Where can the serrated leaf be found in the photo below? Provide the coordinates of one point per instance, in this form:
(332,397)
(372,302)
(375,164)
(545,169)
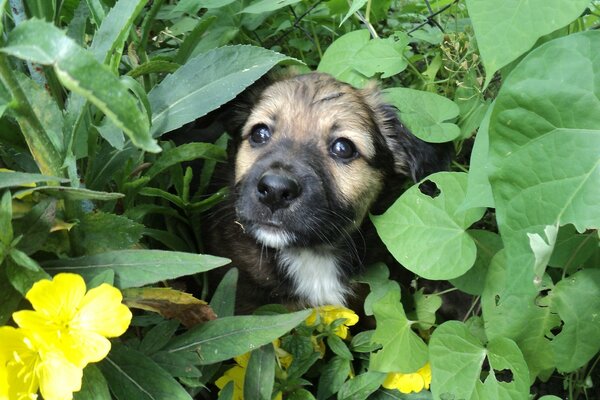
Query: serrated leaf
(428,235)
(77,70)
(426,114)
(260,373)
(135,268)
(457,359)
(508,29)
(403,350)
(228,337)
(170,303)
(133,375)
(551,131)
(577,301)
(205,82)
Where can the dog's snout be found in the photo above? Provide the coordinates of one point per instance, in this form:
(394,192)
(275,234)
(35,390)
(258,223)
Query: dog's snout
(277,190)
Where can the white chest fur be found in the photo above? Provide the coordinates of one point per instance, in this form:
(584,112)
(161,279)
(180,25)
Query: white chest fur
(315,275)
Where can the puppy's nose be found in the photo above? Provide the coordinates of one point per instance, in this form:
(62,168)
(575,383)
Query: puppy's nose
(277,190)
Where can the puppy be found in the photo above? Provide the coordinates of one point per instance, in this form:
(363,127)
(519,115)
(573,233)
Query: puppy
(310,156)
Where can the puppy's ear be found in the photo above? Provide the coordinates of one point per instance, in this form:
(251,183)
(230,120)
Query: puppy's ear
(413,157)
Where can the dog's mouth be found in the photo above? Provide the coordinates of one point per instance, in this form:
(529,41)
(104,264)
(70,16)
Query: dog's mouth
(270,234)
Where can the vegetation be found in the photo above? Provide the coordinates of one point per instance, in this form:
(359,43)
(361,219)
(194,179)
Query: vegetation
(91,184)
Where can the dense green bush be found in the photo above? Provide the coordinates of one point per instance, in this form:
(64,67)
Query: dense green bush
(90,185)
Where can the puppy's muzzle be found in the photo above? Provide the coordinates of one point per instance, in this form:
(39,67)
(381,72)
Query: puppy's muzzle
(277,189)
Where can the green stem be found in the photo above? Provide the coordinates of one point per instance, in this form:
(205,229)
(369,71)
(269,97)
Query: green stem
(48,159)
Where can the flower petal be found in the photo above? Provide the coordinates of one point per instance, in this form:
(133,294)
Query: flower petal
(84,347)
(58,378)
(57,299)
(101,311)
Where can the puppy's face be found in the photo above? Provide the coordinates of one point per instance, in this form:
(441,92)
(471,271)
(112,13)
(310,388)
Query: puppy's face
(312,158)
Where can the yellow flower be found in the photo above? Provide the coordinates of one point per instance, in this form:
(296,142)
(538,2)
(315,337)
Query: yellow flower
(283,357)
(78,322)
(27,364)
(407,383)
(329,314)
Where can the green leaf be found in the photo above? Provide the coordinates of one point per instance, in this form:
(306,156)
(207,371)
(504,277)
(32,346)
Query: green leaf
(426,305)
(260,373)
(508,29)
(23,271)
(403,350)
(228,337)
(9,297)
(551,131)
(186,152)
(223,299)
(158,337)
(72,193)
(354,7)
(333,376)
(77,70)
(577,301)
(427,235)
(93,385)
(153,67)
(264,6)
(133,375)
(205,82)
(100,232)
(6,229)
(300,394)
(354,57)
(337,345)
(361,386)
(110,37)
(457,359)
(426,114)
(135,268)
(572,250)
(488,244)
(35,226)
(178,365)
(14,179)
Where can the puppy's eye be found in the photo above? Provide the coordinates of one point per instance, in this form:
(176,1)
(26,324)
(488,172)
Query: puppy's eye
(260,134)
(343,148)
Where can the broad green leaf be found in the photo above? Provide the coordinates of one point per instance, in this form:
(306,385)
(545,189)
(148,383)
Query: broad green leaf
(178,365)
(111,133)
(354,57)
(479,190)
(186,152)
(260,373)
(426,305)
(132,375)
(488,244)
(77,70)
(264,6)
(361,386)
(426,114)
(403,350)
(457,359)
(223,299)
(93,385)
(428,235)
(546,121)
(228,337)
(135,268)
(377,277)
(333,376)
(506,30)
(205,82)
(110,37)
(340,55)
(577,301)
(100,232)
(572,250)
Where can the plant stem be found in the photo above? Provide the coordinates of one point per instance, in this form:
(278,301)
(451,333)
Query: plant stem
(47,157)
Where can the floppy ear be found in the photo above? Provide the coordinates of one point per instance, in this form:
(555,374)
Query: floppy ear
(413,157)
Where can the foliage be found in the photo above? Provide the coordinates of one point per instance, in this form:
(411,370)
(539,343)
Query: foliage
(94,95)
